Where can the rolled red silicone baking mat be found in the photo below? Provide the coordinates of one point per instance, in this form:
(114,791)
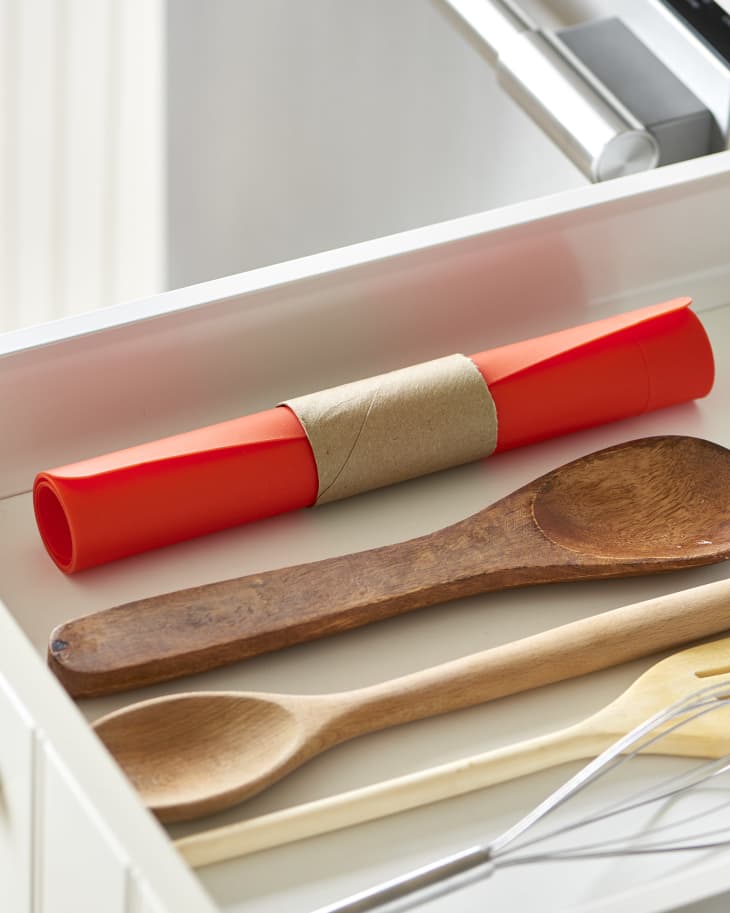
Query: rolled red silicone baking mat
(259,465)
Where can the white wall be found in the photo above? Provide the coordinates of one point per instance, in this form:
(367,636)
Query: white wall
(81,155)
(147,144)
(300,126)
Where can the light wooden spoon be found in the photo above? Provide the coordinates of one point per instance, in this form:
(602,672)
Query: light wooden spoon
(656,504)
(672,679)
(196,753)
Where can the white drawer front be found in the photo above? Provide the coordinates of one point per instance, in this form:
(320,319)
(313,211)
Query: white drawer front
(141,898)
(82,870)
(16,803)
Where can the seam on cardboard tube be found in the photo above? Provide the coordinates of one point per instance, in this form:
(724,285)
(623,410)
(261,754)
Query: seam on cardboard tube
(322,494)
(397,426)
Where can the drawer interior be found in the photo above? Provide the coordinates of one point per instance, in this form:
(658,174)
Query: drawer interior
(323,868)
(203,354)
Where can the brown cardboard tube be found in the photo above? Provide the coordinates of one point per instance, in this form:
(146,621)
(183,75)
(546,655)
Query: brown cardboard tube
(398,425)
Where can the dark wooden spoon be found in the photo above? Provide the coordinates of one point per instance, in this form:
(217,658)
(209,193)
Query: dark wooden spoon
(651,505)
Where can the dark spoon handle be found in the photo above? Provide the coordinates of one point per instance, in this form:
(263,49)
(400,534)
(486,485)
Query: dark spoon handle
(196,629)
(651,505)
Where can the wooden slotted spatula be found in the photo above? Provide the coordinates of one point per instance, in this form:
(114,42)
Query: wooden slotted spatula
(666,682)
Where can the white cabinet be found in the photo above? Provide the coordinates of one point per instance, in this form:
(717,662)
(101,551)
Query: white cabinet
(141,897)
(17,766)
(73,838)
(81,863)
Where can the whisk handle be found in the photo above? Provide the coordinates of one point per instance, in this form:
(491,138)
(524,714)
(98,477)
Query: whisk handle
(424,883)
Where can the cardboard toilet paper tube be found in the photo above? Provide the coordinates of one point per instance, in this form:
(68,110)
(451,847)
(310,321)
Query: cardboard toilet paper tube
(411,421)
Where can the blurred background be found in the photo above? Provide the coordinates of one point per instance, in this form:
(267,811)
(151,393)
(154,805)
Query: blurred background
(151,144)
(147,144)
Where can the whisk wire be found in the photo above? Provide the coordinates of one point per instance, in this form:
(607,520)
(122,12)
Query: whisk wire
(447,874)
(665,790)
(641,799)
(703,700)
(601,853)
(596,849)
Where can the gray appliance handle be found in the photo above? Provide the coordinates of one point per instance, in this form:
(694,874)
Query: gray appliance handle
(587,122)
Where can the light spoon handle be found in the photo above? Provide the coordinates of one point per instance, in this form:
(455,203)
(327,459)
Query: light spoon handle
(598,642)
(574,649)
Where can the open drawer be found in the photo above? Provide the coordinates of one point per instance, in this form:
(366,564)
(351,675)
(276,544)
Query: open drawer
(73,835)
(209,352)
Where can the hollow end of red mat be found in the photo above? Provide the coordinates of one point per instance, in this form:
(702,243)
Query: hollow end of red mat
(53,524)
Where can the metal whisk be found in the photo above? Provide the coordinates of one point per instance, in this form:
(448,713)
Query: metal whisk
(477,862)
